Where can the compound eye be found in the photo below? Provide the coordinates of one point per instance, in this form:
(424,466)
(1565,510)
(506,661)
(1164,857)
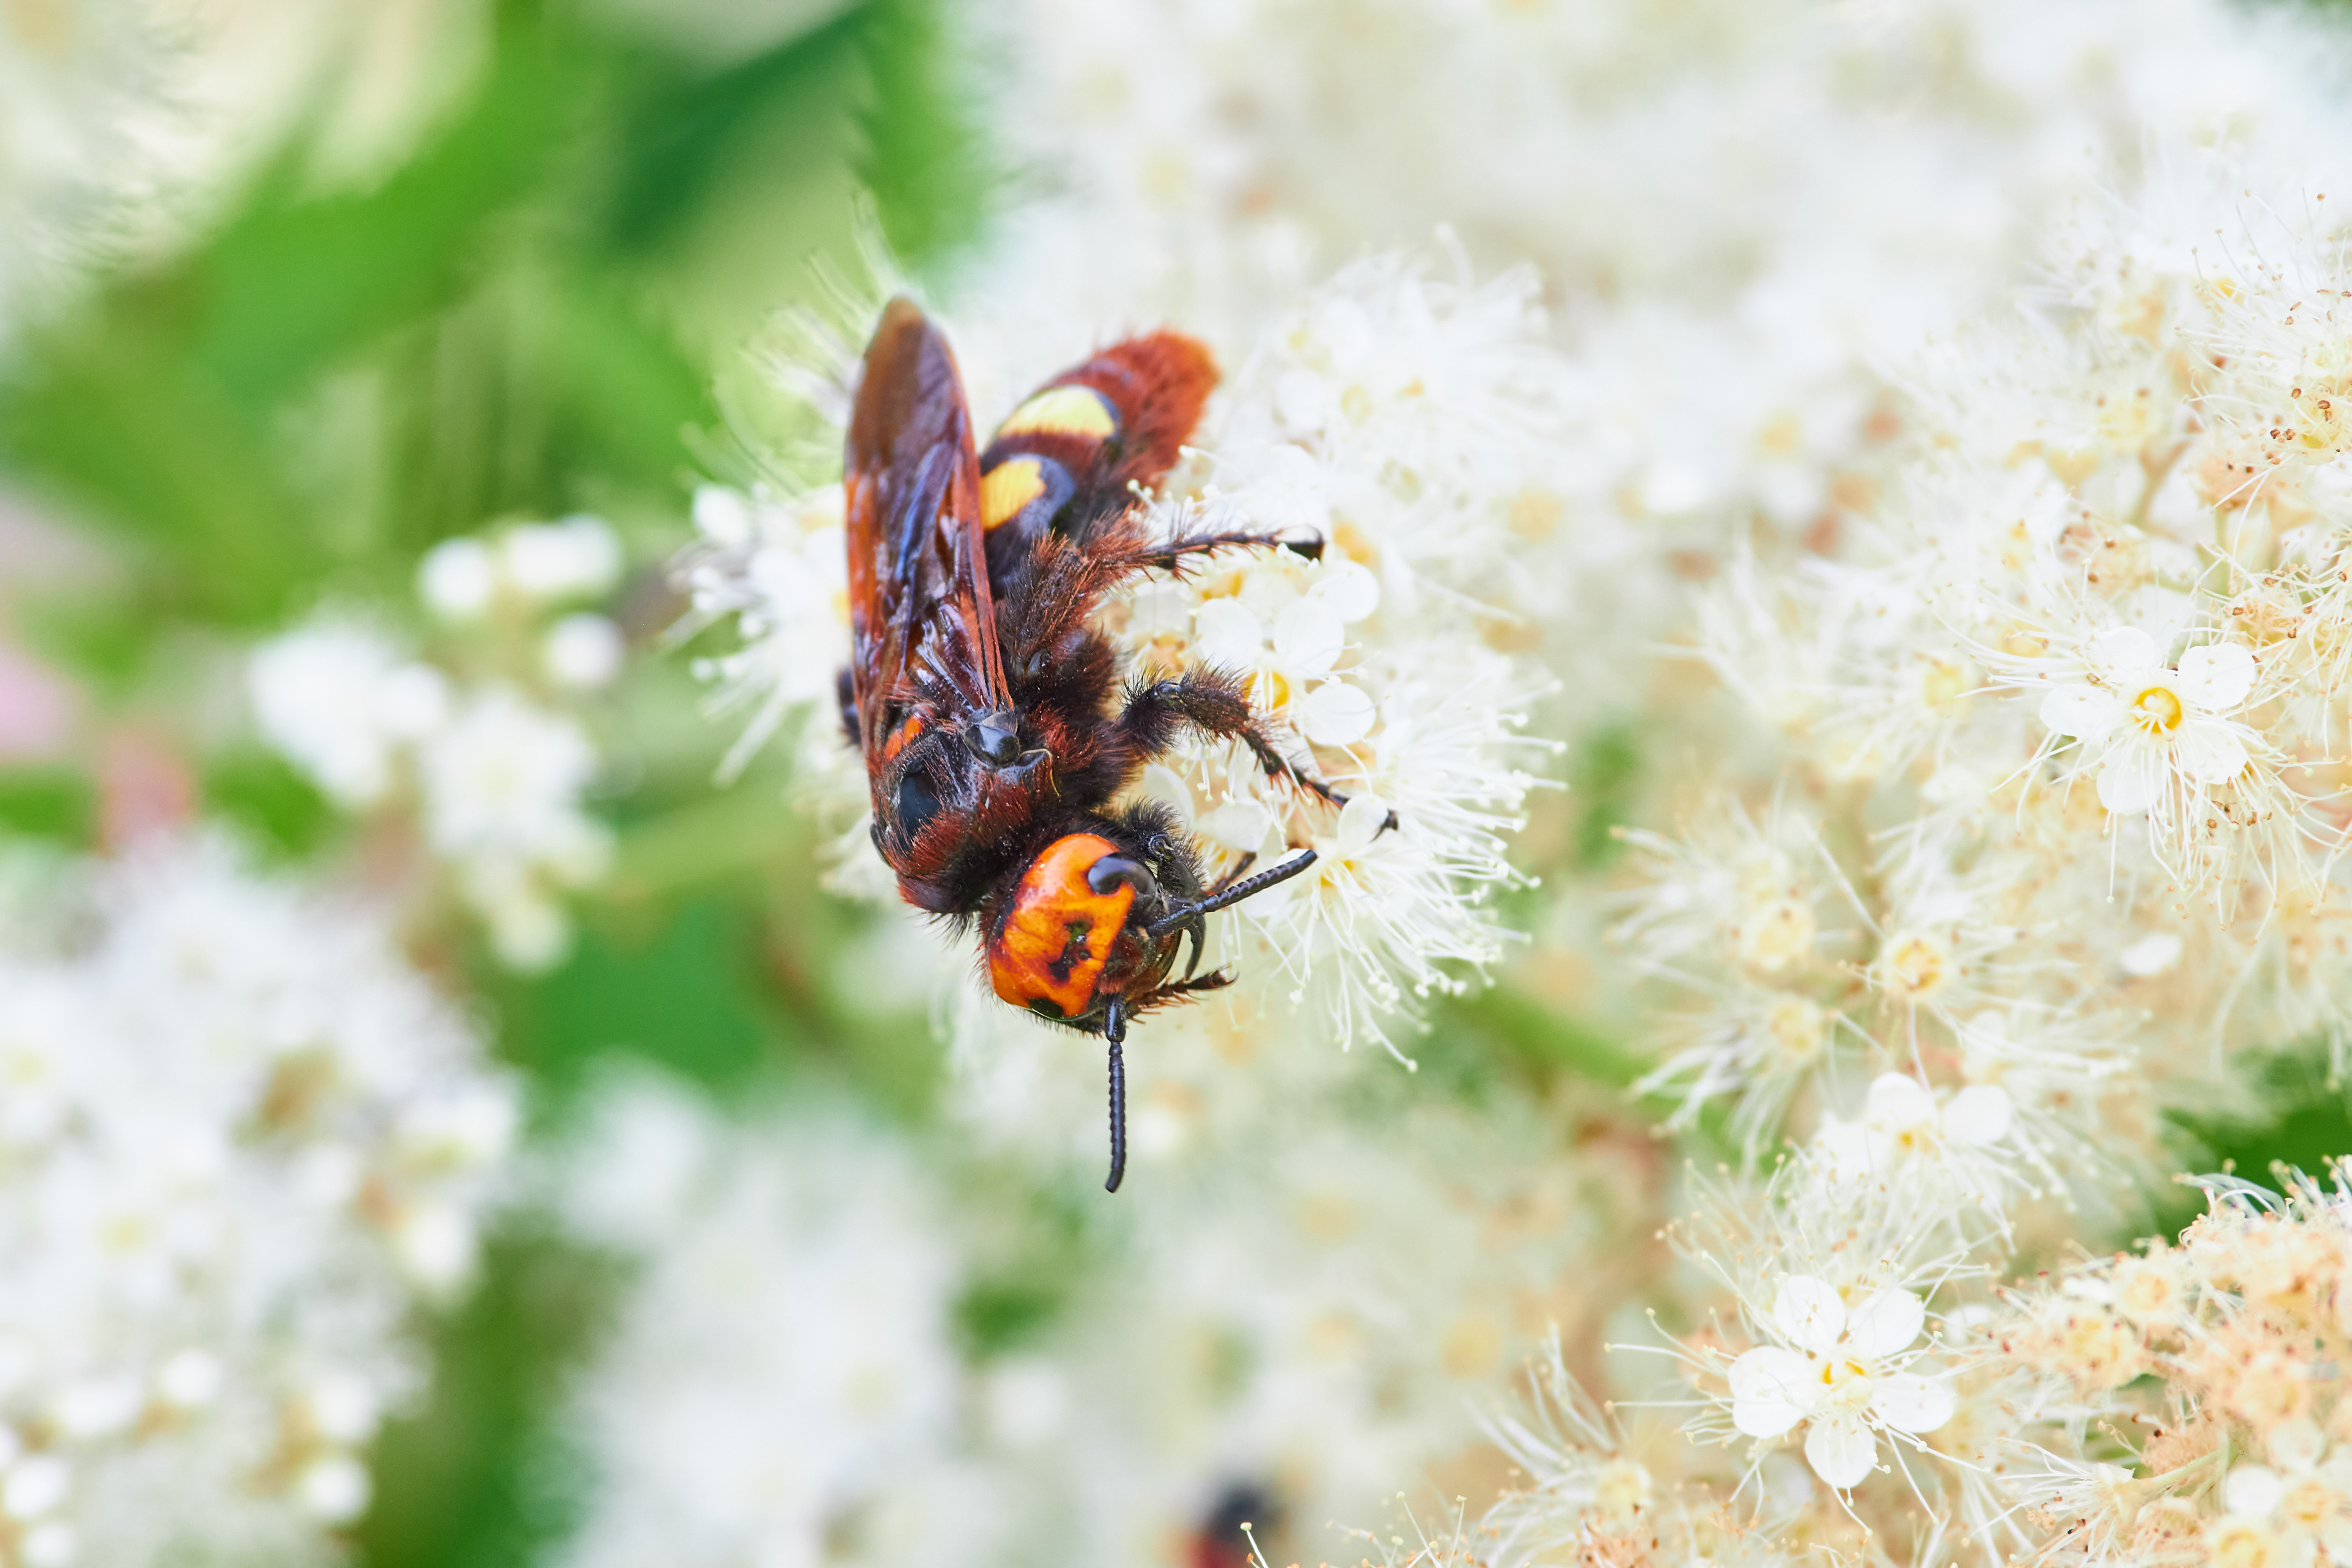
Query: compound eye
(916,804)
(1118,871)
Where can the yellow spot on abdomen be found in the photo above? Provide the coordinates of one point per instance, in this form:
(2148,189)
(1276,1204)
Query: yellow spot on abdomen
(1064,411)
(1005,488)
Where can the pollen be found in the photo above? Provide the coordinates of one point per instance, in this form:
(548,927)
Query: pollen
(1916,965)
(2157,710)
(1063,411)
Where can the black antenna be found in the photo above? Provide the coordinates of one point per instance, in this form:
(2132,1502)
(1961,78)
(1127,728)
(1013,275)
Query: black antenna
(1231,896)
(1115,1031)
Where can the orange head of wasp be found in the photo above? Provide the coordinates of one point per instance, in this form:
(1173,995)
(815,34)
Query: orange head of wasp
(1088,929)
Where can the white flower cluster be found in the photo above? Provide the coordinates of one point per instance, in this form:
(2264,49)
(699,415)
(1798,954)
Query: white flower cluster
(1742,210)
(1994,689)
(2012,813)
(781,1384)
(477,744)
(240,1141)
(785,1383)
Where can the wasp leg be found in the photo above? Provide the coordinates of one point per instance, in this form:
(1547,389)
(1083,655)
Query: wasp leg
(1215,704)
(1170,554)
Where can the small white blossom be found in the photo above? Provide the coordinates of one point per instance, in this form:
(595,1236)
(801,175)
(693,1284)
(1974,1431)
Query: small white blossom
(2151,730)
(1840,1374)
(341,702)
(502,786)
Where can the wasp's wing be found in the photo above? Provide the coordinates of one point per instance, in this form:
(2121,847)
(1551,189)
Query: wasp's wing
(922,617)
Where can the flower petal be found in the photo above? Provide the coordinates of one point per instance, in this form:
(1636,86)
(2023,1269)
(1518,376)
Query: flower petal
(1308,636)
(2253,1491)
(1769,1387)
(2132,779)
(2086,712)
(1335,713)
(1807,1312)
(2121,648)
(1978,1114)
(1228,636)
(1898,1103)
(1842,1149)
(2296,1446)
(1238,825)
(1360,822)
(1887,1321)
(1841,1452)
(2218,676)
(1348,587)
(2209,751)
(1166,786)
(1909,1403)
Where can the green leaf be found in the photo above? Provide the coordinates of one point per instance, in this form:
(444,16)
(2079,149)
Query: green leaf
(925,161)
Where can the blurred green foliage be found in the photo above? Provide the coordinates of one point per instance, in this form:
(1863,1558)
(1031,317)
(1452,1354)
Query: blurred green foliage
(541,308)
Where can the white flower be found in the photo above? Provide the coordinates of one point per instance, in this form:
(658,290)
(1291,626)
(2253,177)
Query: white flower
(784,1356)
(1840,1374)
(2144,725)
(1287,643)
(194,1322)
(1901,1119)
(575,558)
(503,784)
(782,571)
(2305,1494)
(583,652)
(339,701)
(458,578)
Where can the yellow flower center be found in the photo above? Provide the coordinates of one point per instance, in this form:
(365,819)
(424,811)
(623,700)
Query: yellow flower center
(2157,710)
(1799,1030)
(1914,964)
(1845,1382)
(2240,1543)
(2310,1504)
(1777,935)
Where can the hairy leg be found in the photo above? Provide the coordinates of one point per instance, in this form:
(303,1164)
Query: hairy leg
(1170,555)
(1214,703)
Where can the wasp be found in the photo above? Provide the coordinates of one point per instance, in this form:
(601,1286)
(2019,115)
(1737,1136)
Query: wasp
(996,730)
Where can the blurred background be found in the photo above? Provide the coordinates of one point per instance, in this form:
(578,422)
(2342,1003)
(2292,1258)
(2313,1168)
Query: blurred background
(387,274)
(293,293)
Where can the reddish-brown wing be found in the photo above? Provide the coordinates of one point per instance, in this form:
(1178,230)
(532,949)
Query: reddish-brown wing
(922,617)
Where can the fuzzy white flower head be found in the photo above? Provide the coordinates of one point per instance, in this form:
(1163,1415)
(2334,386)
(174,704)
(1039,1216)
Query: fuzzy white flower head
(502,786)
(781,572)
(212,1212)
(2303,1495)
(1901,1119)
(340,701)
(783,1355)
(2153,730)
(1840,1374)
